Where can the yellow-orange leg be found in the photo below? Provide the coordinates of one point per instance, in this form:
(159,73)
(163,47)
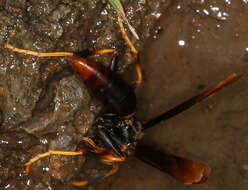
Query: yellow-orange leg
(105,51)
(134,51)
(106,158)
(57,54)
(100,52)
(96,149)
(38,54)
(110,158)
(52,152)
(98,178)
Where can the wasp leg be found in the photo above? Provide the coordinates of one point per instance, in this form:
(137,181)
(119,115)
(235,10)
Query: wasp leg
(114,60)
(106,158)
(98,178)
(113,64)
(57,54)
(53,152)
(110,158)
(109,142)
(134,51)
(97,149)
(104,51)
(38,54)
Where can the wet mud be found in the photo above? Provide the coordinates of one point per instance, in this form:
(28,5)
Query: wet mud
(185,47)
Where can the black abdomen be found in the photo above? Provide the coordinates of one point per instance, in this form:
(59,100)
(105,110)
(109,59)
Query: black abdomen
(115,93)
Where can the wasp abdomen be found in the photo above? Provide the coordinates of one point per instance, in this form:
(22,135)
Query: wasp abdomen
(115,93)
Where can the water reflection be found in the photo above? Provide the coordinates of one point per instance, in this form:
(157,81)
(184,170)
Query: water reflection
(217,10)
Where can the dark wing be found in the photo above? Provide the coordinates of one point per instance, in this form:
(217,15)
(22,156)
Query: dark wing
(192,101)
(183,170)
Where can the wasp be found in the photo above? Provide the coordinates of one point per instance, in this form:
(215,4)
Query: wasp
(117,132)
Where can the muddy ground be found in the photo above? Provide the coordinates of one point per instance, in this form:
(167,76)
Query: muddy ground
(185,47)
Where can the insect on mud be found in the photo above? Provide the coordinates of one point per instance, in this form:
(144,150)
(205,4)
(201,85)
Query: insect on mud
(117,132)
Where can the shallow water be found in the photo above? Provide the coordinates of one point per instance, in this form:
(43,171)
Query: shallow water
(195,51)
